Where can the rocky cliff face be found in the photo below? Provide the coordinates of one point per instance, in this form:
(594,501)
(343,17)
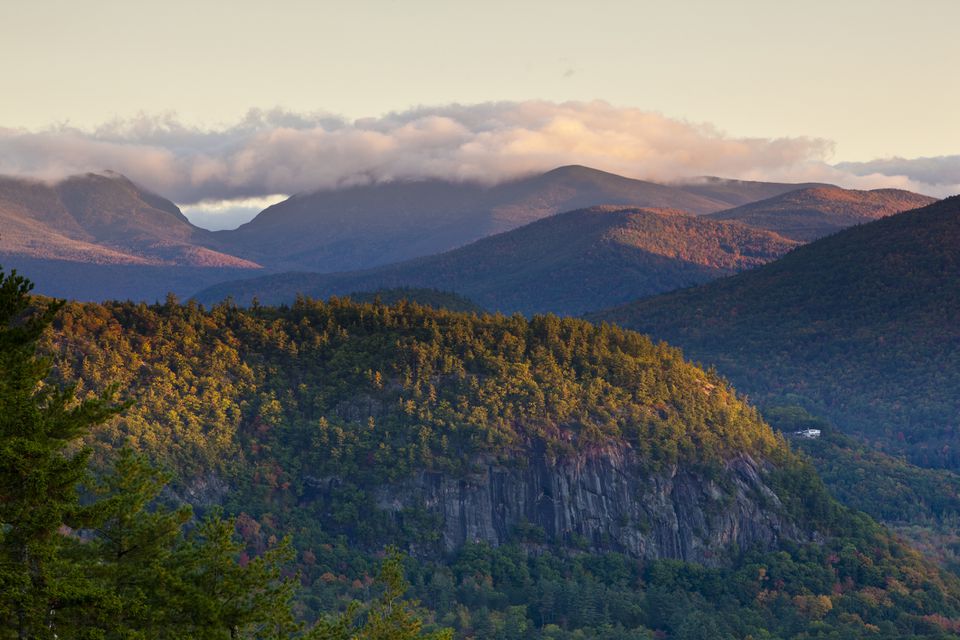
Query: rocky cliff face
(604,501)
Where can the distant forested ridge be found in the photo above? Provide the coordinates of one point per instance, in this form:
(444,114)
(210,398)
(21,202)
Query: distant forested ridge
(568,263)
(859,327)
(435,298)
(813,212)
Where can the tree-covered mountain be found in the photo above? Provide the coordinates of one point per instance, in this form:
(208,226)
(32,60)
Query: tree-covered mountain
(814,212)
(552,478)
(568,263)
(101,219)
(364,226)
(99,235)
(859,327)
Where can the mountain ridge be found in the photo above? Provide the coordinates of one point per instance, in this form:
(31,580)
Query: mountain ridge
(567,263)
(365,226)
(103,215)
(810,213)
(99,235)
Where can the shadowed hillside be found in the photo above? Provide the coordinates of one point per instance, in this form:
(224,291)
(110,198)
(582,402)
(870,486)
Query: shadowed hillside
(859,326)
(426,297)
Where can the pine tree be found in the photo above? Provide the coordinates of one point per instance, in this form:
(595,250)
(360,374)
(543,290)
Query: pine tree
(224,595)
(390,617)
(132,553)
(40,468)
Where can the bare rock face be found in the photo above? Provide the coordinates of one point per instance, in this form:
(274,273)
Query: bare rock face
(604,501)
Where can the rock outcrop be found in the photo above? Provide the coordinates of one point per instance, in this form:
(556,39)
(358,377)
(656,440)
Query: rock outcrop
(604,501)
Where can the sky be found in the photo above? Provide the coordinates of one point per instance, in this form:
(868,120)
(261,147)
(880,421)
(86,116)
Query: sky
(226,106)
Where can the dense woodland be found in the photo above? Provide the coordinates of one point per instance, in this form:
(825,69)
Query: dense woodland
(922,505)
(408,385)
(859,327)
(888,488)
(236,404)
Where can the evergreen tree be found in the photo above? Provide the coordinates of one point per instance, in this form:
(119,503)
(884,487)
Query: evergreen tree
(132,553)
(40,467)
(223,594)
(390,617)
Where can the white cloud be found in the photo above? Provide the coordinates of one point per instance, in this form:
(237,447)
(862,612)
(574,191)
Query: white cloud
(940,175)
(271,152)
(281,152)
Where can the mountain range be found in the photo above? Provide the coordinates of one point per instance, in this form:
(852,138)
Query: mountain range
(568,263)
(365,226)
(100,236)
(549,478)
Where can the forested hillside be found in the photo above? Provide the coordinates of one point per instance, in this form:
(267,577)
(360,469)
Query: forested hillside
(921,504)
(858,327)
(298,420)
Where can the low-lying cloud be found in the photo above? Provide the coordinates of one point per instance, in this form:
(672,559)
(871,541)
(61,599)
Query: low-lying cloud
(939,172)
(280,152)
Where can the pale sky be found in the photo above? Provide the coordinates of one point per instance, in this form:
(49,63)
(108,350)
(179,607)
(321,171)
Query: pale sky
(873,78)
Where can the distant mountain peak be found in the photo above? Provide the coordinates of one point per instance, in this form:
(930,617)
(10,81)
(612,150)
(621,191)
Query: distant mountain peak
(581,171)
(103,219)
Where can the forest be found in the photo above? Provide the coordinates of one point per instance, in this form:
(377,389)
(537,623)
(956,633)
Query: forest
(173,447)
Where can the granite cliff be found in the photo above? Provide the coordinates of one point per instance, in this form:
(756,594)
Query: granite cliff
(603,501)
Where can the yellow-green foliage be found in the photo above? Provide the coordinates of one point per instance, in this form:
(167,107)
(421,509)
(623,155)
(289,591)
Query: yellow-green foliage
(401,387)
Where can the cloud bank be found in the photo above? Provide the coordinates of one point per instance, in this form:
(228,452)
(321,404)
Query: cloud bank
(941,172)
(280,152)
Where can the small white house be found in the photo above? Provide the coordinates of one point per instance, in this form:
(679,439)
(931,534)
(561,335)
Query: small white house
(807,433)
